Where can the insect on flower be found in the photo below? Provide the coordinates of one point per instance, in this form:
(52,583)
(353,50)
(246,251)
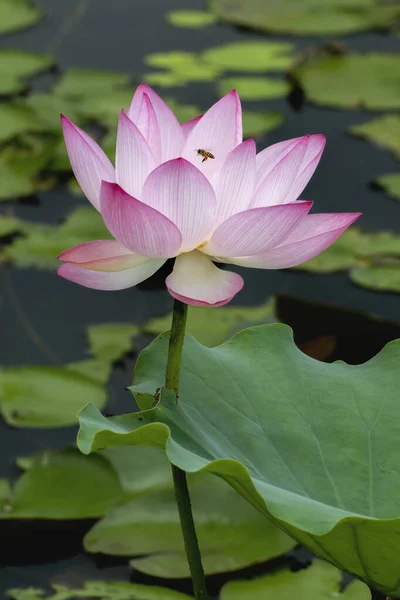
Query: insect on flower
(205,154)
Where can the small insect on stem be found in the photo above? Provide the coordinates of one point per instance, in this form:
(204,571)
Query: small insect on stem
(205,154)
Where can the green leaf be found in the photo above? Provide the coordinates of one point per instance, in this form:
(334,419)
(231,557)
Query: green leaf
(98,370)
(111,341)
(320,581)
(312,445)
(250,56)
(232,534)
(16,119)
(181,68)
(257,124)
(8,225)
(193,19)
(102,590)
(77,84)
(307,17)
(16,66)
(213,327)
(36,396)
(254,88)
(384,277)
(383,131)
(391,183)
(17,14)
(65,485)
(361,80)
(382,243)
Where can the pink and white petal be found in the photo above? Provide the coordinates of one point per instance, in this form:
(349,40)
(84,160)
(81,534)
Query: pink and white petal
(275,187)
(253,231)
(134,159)
(148,126)
(102,255)
(136,226)
(310,162)
(188,126)
(219,131)
(181,192)
(235,183)
(268,158)
(110,281)
(170,129)
(312,235)
(88,161)
(195,280)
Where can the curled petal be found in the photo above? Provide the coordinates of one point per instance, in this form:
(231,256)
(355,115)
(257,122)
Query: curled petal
(148,126)
(110,281)
(88,161)
(181,192)
(253,231)
(312,235)
(136,226)
(195,280)
(102,255)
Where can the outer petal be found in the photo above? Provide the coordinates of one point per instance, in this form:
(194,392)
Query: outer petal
(102,255)
(268,159)
(134,159)
(253,231)
(110,281)
(275,187)
(235,183)
(88,161)
(188,126)
(310,162)
(312,235)
(197,281)
(170,130)
(219,131)
(148,126)
(136,226)
(181,192)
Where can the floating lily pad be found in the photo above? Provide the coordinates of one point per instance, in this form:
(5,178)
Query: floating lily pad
(383,243)
(110,341)
(360,80)
(76,84)
(232,534)
(307,17)
(96,369)
(384,277)
(181,68)
(312,445)
(17,66)
(257,124)
(8,225)
(14,120)
(384,131)
(390,183)
(192,19)
(320,581)
(250,56)
(18,14)
(36,396)
(254,88)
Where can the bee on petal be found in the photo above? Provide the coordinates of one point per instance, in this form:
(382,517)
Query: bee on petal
(205,154)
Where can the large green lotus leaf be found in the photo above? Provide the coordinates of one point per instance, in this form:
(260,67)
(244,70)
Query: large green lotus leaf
(307,17)
(17,14)
(192,19)
(16,119)
(320,581)
(257,124)
(251,56)
(214,327)
(384,131)
(77,84)
(382,243)
(391,183)
(254,88)
(232,534)
(110,341)
(181,68)
(352,81)
(37,396)
(60,485)
(384,277)
(101,590)
(16,66)
(312,445)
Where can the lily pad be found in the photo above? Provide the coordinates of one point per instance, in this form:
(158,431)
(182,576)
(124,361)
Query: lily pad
(76,84)
(257,124)
(307,17)
(181,68)
(250,56)
(361,80)
(14,120)
(383,131)
(382,243)
(320,581)
(390,183)
(232,534)
(192,19)
(18,14)
(16,66)
(96,369)
(36,396)
(312,445)
(8,225)
(110,341)
(384,277)
(254,88)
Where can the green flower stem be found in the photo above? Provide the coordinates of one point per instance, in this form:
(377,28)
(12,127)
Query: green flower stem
(176,340)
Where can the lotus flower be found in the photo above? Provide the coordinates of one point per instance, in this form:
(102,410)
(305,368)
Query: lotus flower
(197,193)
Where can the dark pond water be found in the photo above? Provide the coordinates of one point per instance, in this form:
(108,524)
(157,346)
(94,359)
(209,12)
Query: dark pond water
(42,317)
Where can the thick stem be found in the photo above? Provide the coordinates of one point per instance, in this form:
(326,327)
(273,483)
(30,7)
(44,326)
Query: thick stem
(176,340)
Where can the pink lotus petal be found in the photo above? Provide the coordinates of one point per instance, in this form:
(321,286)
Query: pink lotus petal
(275,187)
(218,131)
(268,158)
(310,162)
(110,281)
(148,126)
(253,231)
(170,130)
(235,182)
(188,126)
(181,192)
(195,280)
(88,161)
(102,255)
(136,226)
(134,159)
(312,235)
